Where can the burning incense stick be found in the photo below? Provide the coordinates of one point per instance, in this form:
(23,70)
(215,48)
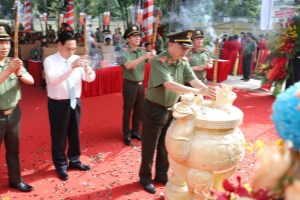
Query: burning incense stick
(16,30)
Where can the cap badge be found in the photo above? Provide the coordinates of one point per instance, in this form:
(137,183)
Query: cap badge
(134,28)
(198,32)
(2,29)
(189,35)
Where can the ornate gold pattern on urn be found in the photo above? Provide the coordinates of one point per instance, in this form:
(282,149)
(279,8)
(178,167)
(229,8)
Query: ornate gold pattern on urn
(204,144)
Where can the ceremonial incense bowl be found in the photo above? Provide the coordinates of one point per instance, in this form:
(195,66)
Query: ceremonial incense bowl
(204,145)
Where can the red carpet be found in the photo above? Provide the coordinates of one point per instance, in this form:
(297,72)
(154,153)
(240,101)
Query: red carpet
(114,173)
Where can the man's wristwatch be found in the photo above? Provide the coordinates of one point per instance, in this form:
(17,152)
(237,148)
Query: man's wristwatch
(20,76)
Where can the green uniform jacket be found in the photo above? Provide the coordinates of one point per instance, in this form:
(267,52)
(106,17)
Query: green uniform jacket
(197,59)
(10,91)
(249,47)
(136,73)
(164,69)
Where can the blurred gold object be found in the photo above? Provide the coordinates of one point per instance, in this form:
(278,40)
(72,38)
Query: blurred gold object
(293,191)
(273,163)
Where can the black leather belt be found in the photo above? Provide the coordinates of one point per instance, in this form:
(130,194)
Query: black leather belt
(62,100)
(158,105)
(135,82)
(7,112)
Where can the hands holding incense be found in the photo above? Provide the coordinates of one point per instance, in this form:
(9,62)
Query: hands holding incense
(82,62)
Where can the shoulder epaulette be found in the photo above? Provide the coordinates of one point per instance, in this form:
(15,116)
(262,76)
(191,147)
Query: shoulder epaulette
(206,50)
(185,58)
(163,59)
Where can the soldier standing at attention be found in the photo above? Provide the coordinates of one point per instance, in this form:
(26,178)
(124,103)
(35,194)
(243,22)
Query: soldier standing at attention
(11,73)
(169,71)
(199,57)
(133,62)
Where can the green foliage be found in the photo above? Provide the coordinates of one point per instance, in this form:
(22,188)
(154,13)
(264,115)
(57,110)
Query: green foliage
(98,7)
(235,8)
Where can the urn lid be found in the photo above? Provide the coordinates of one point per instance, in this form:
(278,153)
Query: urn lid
(225,117)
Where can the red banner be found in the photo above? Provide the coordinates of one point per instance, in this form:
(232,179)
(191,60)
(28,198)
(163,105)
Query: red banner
(106,18)
(140,17)
(81,19)
(61,19)
(45,17)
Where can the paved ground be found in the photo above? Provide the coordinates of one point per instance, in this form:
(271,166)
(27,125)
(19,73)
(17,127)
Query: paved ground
(253,84)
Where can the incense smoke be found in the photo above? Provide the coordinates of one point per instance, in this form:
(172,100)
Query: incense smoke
(195,15)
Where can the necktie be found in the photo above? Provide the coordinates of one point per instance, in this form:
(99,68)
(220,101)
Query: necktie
(71,91)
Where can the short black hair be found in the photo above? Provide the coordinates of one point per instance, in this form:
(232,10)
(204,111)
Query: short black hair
(147,44)
(65,36)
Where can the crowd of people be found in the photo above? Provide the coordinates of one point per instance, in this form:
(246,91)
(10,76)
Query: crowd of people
(246,53)
(178,69)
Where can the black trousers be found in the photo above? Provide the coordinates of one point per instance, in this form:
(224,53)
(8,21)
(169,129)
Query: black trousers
(133,97)
(64,125)
(10,132)
(247,60)
(294,75)
(156,121)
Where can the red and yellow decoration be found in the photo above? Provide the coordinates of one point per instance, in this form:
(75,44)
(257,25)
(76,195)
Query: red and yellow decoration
(284,44)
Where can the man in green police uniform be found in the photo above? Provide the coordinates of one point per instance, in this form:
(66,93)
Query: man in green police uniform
(11,73)
(159,44)
(249,56)
(199,57)
(169,71)
(133,63)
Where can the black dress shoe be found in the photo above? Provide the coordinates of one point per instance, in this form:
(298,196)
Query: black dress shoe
(242,79)
(63,175)
(23,187)
(127,141)
(149,188)
(136,136)
(79,166)
(246,80)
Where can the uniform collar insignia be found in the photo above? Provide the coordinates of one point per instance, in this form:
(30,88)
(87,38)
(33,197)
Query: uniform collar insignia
(133,50)
(163,59)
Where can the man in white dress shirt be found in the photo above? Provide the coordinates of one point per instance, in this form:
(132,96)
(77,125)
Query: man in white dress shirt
(64,74)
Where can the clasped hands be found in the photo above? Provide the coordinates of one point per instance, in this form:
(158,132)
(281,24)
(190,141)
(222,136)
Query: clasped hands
(150,55)
(15,66)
